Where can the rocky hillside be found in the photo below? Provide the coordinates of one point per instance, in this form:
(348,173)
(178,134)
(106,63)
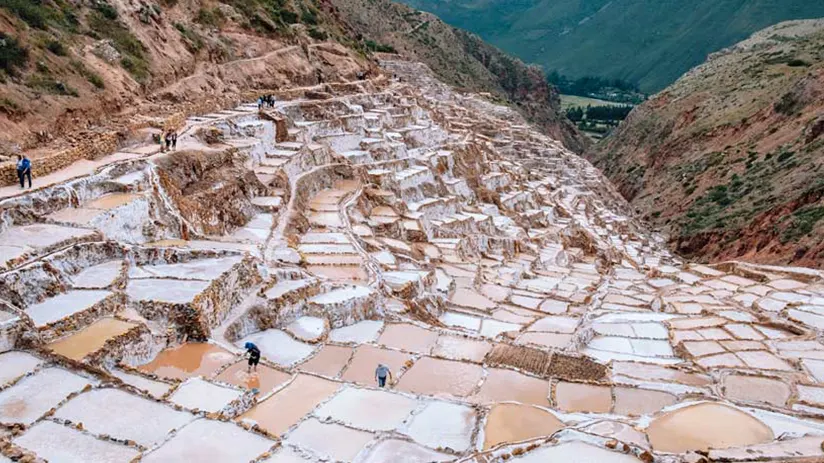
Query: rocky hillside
(463,60)
(70,69)
(69,66)
(730,159)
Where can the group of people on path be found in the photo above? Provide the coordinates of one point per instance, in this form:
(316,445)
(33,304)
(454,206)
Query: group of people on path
(168,141)
(268,100)
(382,372)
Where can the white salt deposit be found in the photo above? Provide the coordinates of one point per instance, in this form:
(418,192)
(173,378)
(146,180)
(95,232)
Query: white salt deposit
(64,305)
(99,276)
(161,290)
(388,410)
(331,441)
(15,364)
(34,395)
(197,394)
(360,333)
(578,452)
(460,320)
(400,451)
(341,295)
(492,328)
(155,388)
(443,424)
(124,416)
(202,269)
(279,347)
(308,328)
(61,444)
(213,441)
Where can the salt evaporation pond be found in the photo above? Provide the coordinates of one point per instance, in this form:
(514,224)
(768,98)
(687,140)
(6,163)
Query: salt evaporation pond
(31,397)
(331,440)
(58,443)
(279,347)
(189,360)
(368,409)
(443,424)
(212,441)
(123,416)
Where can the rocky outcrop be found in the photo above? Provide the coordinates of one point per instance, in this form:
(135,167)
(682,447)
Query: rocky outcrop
(728,159)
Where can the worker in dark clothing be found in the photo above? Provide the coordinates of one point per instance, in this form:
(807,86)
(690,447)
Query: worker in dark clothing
(254,355)
(23,170)
(381,373)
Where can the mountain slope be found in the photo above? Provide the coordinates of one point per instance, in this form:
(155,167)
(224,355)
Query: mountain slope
(730,158)
(69,66)
(464,60)
(650,42)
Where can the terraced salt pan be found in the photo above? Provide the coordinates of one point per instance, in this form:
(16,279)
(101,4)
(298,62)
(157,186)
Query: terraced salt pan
(155,388)
(408,337)
(189,360)
(457,348)
(19,240)
(443,425)
(514,422)
(64,305)
(197,394)
(704,426)
(212,441)
(278,347)
(359,333)
(438,377)
(287,406)
(330,361)
(90,339)
(350,404)
(286,454)
(361,368)
(331,441)
(459,320)
(15,364)
(162,290)
(123,416)
(58,443)
(510,386)
(578,452)
(201,269)
(309,329)
(99,276)
(339,296)
(400,451)
(33,396)
(264,379)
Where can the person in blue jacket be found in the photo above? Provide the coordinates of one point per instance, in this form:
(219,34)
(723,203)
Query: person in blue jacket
(254,355)
(23,170)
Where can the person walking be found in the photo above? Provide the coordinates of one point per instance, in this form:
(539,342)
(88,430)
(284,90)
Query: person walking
(381,373)
(174,141)
(168,140)
(254,356)
(23,170)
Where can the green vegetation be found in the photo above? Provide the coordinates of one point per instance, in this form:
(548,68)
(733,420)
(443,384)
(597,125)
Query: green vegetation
(210,17)
(317,34)
(603,37)
(56,47)
(194,42)
(133,53)
(91,76)
(614,90)
(13,56)
(50,85)
(373,46)
(802,222)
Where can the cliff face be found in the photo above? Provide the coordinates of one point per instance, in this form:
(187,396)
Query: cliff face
(463,60)
(729,158)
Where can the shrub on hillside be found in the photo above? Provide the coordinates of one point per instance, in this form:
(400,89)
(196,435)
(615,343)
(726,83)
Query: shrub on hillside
(13,56)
